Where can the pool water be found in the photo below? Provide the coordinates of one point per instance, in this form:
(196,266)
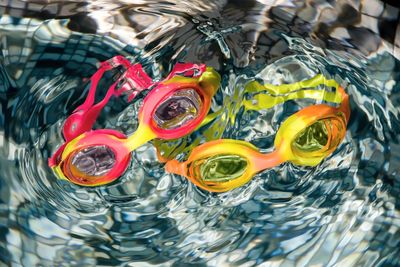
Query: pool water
(343,212)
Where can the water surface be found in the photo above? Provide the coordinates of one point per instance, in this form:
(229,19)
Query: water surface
(344,212)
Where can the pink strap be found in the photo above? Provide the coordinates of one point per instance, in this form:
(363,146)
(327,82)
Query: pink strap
(84,116)
(136,79)
(187,69)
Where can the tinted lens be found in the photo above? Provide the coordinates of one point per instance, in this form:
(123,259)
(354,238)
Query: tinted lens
(178,109)
(220,168)
(94,161)
(313,138)
(320,138)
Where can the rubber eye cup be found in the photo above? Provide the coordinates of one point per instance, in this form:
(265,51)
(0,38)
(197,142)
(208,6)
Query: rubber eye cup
(319,139)
(96,159)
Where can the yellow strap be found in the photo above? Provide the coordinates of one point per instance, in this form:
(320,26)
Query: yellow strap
(264,101)
(278,94)
(319,79)
(210,117)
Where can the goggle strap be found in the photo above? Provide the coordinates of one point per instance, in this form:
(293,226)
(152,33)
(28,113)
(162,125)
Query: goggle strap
(93,112)
(187,69)
(137,80)
(115,62)
(266,101)
(71,128)
(210,117)
(104,66)
(94,80)
(315,81)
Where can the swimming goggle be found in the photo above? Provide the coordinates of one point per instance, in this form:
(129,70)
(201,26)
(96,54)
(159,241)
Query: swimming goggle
(173,108)
(305,138)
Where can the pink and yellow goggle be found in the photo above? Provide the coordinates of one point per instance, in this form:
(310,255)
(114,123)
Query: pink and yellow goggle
(173,108)
(305,138)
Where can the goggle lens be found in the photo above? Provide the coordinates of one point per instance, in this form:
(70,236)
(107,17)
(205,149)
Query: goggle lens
(320,138)
(220,168)
(94,161)
(312,138)
(179,109)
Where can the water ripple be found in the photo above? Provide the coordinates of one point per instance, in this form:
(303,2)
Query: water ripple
(343,212)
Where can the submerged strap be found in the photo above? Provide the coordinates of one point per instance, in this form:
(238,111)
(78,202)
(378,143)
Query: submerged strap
(278,94)
(315,81)
(264,101)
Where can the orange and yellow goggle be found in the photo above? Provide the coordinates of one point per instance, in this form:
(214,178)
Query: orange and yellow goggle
(305,138)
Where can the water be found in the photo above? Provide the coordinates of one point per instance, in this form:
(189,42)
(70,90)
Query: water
(344,212)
